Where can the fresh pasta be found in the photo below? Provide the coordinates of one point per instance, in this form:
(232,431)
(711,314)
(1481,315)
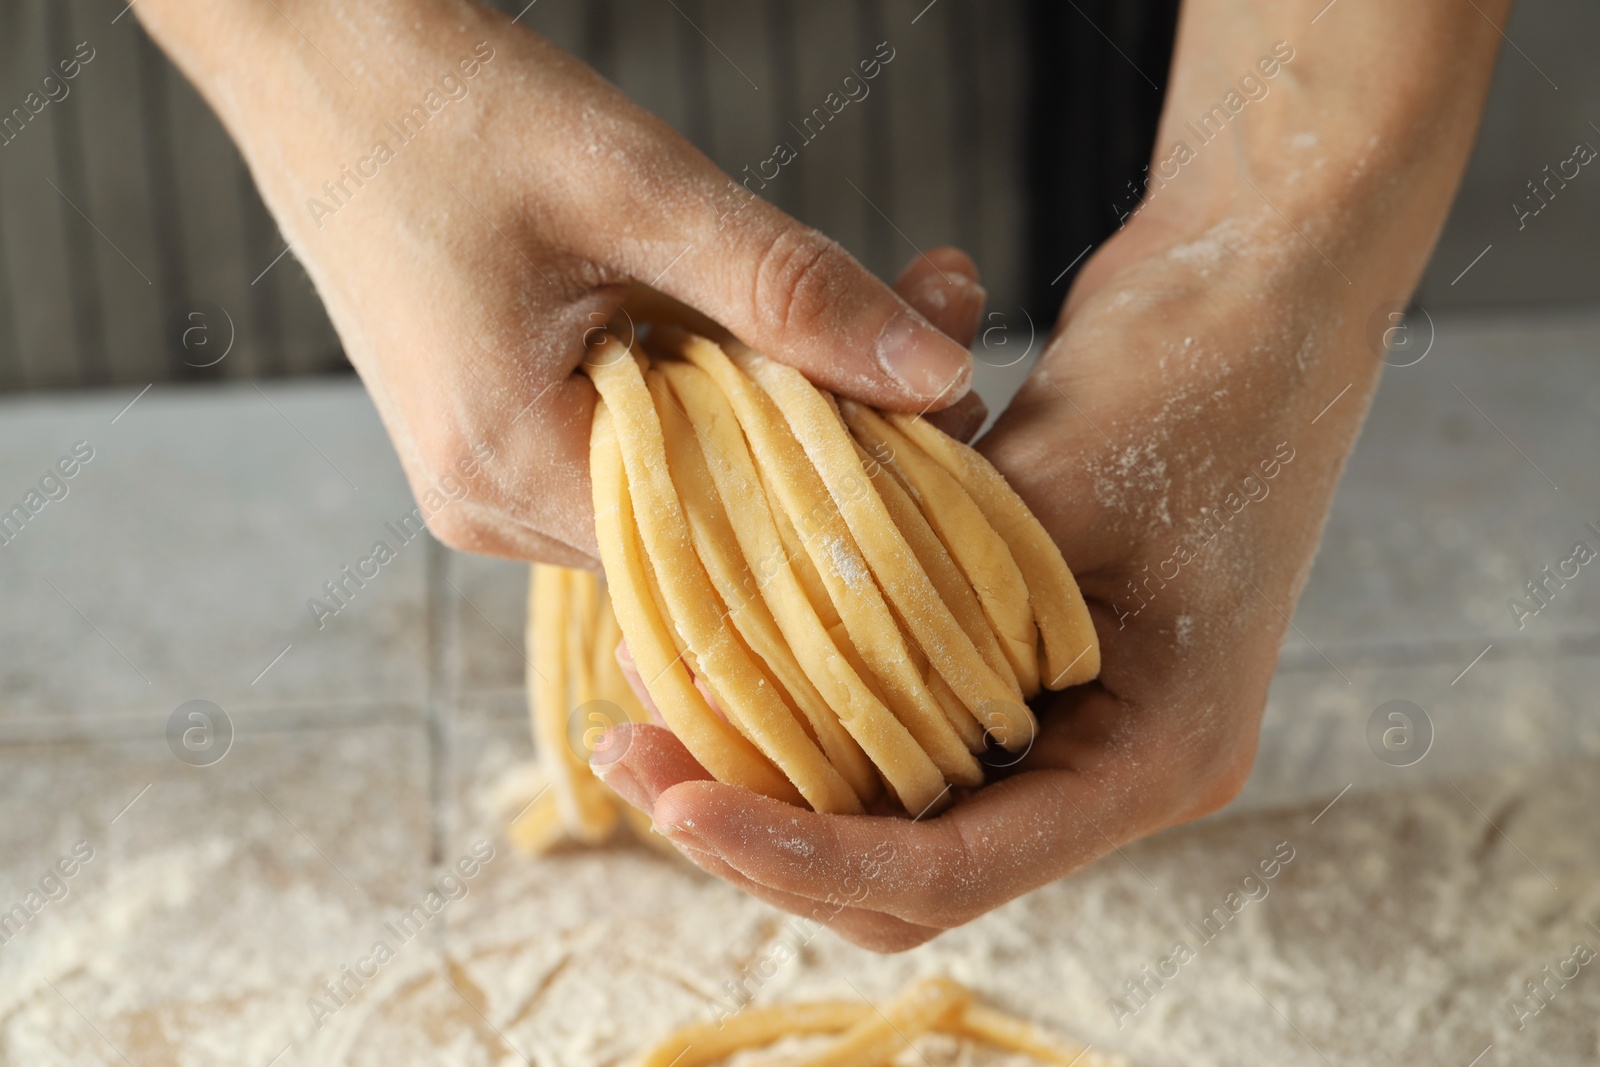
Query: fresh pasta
(570,645)
(868,1036)
(827,605)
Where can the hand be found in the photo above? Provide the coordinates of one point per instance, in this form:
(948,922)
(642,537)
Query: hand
(1168,731)
(1210,366)
(464,273)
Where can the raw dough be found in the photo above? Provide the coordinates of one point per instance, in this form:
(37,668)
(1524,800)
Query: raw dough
(824,603)
(868,1036)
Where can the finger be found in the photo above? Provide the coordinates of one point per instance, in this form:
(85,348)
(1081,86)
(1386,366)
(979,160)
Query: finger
(799,297)
(942,284)
(631,675)
(926,873)
(490,421)
(870,930)
(963,419)
(640,762)
(486,531)
(790,292)
(1008,838)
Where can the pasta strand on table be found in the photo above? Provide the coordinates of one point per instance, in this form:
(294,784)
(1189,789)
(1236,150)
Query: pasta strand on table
(868,1036)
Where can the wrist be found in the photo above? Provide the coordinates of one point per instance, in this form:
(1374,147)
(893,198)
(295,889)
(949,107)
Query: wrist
(307,91)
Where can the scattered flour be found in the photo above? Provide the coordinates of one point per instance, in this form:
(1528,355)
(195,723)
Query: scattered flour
(1399,933)
(847,563)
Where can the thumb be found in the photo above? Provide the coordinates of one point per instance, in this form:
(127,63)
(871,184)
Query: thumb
(795,295)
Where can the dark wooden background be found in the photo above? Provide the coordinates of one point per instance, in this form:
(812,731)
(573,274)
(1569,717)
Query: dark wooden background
(138,152)
(125,204)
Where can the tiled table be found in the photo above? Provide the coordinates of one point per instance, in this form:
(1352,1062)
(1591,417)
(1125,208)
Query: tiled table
(220,897)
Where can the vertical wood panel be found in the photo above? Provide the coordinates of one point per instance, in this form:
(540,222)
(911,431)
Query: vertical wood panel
(964,123)
(743,118)
(647,61)
(84,294)
(260,336)
(559,20)
(167,218)
(34,222)
(108,101)
(832,148)
(999,73)
(923,202)
(881,240)
(691,49)
(310,345)
(935,146)
(206,168)
(11,371)
(599,37)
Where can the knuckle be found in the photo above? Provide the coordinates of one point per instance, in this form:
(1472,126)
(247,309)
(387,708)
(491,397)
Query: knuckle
(1222,788)
(800,276)
(449,490)
(454,529)
(937,903)
(1218,766)
(945,895)
(886,941)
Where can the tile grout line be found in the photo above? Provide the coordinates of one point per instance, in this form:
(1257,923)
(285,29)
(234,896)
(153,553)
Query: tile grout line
(439,611)
(47,729)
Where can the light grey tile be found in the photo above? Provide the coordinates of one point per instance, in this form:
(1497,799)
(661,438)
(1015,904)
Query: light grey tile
(1540,106)
(1446,510)
(1518,709)
(185,555)
(489,601)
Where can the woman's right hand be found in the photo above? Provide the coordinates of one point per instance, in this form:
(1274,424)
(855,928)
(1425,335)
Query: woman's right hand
(464,270)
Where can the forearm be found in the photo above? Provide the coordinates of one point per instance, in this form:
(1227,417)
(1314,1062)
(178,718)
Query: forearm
(1300,177)
(305,88)
(1353,129)
(271,59)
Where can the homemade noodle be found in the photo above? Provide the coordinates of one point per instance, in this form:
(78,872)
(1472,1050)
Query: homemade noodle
(868,1036)
(827,605)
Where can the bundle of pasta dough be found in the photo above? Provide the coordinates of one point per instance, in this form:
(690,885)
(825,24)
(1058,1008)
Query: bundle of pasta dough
(866,601)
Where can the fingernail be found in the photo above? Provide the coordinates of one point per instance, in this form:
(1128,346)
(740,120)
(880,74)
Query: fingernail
(622,782)
(684,834)
(927,363)
(969,291)
(950,290)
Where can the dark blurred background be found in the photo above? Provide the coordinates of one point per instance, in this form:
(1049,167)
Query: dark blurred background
(1009,128)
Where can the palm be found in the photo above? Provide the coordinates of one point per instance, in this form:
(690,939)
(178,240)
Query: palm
(1140,416)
